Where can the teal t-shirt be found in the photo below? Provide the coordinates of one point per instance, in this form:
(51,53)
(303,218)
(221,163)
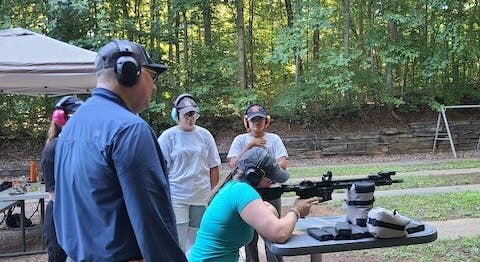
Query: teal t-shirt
(222,231)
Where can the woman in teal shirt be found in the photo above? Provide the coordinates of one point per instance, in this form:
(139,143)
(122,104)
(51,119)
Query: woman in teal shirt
(236,209)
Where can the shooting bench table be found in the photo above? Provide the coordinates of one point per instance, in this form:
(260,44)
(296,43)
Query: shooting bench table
(40,194)
(300,243)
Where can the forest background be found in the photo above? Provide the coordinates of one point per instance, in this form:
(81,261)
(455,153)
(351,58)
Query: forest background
(307,61)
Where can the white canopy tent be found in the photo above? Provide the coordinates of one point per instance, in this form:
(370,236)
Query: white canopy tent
(34,64)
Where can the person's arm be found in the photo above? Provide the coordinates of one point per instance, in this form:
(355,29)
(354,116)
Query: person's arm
(213,159)
(266,222)
(282,162)
(214,176)
(165,146)
(47,164)
(279,150)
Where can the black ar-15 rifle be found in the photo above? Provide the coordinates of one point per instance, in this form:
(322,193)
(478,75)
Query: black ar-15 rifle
(324,188)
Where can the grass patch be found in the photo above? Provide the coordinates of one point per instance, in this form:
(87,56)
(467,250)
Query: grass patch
(430,207)
(317,171)
(434,207)
(462,249)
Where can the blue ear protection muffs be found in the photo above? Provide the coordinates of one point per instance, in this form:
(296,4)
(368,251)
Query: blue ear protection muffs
(174,112)
(59,116)
(127,70)
(245,116)
(253,175)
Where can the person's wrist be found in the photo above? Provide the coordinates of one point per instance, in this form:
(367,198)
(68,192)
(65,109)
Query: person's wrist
(295,211)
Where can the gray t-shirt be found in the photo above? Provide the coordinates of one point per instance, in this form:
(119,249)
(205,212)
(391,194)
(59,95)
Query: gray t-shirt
(274,144)
(189,156)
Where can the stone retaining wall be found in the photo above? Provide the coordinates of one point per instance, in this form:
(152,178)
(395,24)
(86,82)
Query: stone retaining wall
(417,137)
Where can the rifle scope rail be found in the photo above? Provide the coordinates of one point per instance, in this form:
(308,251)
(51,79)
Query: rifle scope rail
(324,188)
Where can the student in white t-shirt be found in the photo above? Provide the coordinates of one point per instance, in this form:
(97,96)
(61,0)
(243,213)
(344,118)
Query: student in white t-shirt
(193,167)
(256,121)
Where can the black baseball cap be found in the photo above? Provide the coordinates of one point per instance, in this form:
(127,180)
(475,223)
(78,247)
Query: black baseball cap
(109,53)
(256,110)
(69,104)
(261,158)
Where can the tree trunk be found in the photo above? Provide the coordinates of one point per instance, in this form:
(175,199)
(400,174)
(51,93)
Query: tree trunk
(171,30)
(346,28)
(298,59)
(288,8)
(388,71)
(185,45)
(136,9)
(177,37)
(242,73)
(393,38)
(153,17)
(185,38)
(251,76)
(125,18)
(207,22)
(361,18)
(316,44)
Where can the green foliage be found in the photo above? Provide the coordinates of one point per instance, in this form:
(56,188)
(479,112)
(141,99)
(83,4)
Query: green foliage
(431,49)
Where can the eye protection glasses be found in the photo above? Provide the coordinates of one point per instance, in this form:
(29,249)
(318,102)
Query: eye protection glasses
(192,114)
(152,73)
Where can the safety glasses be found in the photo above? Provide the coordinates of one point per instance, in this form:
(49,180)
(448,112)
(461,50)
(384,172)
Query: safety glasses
(152,73)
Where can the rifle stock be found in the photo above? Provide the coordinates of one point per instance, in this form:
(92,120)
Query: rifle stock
(325,188)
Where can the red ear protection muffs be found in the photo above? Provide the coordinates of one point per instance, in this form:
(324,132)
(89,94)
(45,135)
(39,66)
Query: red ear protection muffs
(253,175)
(58,116)
(245,116)
(174,113)
(127,70)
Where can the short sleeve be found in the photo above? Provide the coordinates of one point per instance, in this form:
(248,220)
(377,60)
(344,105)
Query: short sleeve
(213,156)
(279,148)
(244,194)
(165,145)
(236,147)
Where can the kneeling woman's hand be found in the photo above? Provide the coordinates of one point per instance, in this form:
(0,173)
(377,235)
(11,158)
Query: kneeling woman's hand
(260,216)
(303,205)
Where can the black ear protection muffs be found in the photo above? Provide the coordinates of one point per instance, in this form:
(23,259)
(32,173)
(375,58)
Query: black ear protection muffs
(176,108)
(245,117)
(127,69)
(59,116)
(253,175)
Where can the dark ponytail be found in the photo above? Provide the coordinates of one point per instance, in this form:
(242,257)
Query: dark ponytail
(221,184)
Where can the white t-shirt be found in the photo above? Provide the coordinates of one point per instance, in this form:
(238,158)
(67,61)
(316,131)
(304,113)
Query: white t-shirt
(189,156)
(274,144)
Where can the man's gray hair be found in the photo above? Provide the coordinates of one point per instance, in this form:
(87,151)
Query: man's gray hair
(106,75)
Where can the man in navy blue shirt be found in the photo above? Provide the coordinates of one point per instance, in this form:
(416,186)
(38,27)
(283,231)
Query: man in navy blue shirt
(112,199)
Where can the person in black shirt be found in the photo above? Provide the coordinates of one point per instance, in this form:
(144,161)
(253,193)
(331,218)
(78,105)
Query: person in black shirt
(64,108)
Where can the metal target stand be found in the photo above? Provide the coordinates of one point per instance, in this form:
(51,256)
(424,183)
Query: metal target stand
(442,115)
